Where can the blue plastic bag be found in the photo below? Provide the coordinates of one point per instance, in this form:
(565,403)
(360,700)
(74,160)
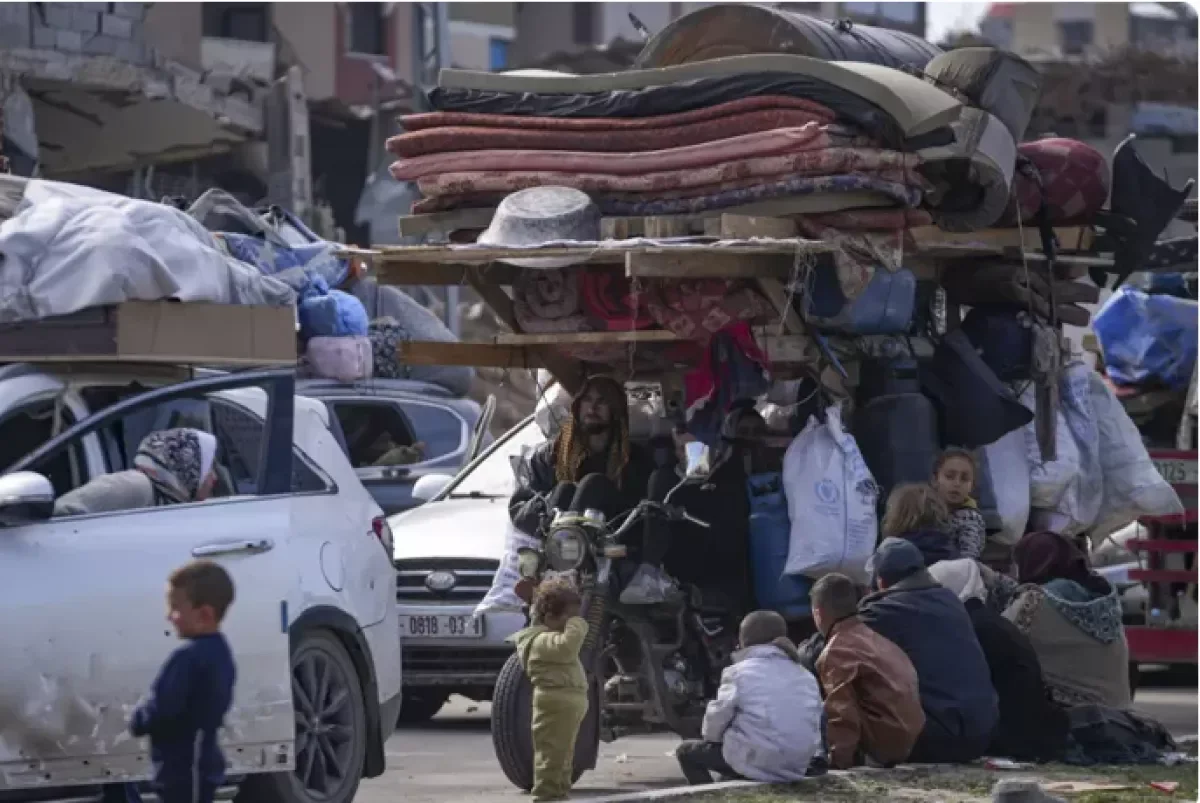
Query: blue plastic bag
(329,313)
(1148,339)
(770,535)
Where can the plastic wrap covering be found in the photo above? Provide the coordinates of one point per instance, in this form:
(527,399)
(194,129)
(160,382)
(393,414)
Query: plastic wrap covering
(730,29)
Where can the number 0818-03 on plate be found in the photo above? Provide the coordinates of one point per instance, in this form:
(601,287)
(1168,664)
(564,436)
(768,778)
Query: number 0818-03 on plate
(440,625)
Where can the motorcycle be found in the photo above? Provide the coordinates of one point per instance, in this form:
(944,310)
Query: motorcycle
(650,667)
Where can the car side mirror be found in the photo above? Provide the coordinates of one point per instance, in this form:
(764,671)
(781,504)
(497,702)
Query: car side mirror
(430,486)
(25,497)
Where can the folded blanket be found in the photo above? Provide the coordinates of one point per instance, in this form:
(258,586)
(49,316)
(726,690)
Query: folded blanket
(514,135)
(885,220)
(816,162)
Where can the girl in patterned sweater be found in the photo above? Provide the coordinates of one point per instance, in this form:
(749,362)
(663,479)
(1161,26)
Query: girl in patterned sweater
(954,478)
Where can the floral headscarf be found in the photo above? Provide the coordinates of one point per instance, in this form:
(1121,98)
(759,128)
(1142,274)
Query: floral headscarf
(176,461)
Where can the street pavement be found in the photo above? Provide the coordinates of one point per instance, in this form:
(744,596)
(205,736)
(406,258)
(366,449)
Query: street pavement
(450,759)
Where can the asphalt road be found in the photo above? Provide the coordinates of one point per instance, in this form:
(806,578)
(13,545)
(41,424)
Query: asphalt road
(450,760)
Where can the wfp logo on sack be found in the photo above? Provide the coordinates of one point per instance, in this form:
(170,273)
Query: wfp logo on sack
(827,492)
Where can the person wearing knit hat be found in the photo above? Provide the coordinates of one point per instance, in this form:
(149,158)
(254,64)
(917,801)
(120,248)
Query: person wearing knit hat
(593,451)
(929,623)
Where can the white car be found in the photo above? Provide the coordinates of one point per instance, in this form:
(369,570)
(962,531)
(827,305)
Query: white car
(313,627)
(446,553)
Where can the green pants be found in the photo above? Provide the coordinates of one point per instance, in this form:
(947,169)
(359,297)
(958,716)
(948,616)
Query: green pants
(557,715)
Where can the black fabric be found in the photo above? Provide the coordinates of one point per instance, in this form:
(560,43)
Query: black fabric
(536,476)
(700,759)
(975,407)
(183,714)
(1004,343)
(935,545)
(674,98)
(1103,735)
(931,626)
(1031,726)
(597,492)
(716,557)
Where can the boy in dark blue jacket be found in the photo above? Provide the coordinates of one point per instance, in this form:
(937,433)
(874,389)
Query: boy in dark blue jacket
(194,688)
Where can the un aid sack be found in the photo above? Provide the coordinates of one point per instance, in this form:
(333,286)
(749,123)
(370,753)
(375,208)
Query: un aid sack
(831,499)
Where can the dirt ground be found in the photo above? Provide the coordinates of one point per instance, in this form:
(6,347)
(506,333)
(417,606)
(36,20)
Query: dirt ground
(974,785)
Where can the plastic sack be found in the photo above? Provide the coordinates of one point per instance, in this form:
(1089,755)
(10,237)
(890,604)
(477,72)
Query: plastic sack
(1007,466)
(345,359)
(1132,486)
(770,531)
(831,498)
(502,596)
(1067,491)
(1148,338)
(330,313)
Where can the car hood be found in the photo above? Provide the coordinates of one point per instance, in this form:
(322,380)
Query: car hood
(452,528)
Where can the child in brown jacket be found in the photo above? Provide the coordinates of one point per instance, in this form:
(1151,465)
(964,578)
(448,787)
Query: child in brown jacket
(872,705)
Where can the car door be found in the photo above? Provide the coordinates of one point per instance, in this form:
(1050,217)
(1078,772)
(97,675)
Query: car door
(85,626)
(428,438)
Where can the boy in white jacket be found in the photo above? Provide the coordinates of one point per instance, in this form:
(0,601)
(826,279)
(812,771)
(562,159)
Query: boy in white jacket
(765,724)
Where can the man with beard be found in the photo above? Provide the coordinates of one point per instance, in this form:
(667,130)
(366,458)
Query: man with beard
(593,445)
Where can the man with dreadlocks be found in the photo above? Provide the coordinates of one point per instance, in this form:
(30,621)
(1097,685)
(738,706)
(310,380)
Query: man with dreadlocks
(594,442)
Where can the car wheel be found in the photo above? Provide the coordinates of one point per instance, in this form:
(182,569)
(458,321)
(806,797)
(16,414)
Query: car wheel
(331,728)
(1135,676)
(420,707)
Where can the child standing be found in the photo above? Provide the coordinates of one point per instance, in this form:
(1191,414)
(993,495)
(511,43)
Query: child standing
(193,690)
(549,653)
(954,478)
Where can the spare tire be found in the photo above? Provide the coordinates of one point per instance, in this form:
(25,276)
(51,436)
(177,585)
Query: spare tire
(735,29)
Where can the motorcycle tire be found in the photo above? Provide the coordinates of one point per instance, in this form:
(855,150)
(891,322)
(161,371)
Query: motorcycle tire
(512,711)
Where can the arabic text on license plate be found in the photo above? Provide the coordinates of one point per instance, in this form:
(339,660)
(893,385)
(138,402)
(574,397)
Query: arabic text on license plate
(441,625)
(1177,472)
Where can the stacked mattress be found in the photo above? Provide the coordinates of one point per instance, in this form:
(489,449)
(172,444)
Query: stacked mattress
(760,134)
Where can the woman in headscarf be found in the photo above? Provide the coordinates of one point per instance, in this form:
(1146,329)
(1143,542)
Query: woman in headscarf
(172,466)
(1072,617)
(1031,726)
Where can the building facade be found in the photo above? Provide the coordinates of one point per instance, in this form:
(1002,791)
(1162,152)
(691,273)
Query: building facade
(1089,30)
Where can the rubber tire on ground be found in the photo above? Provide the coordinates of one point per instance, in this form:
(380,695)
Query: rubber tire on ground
(285,787)
(512,704)
(420,707)
(1134,677)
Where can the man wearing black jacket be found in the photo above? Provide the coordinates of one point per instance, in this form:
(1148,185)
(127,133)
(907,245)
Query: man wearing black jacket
(595,441)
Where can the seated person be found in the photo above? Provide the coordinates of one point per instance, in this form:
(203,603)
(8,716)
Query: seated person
(1031,727)
(917,514)
(595,440)
(872,699)
(1072,617)
(931,626)
(171,467)
(765,724)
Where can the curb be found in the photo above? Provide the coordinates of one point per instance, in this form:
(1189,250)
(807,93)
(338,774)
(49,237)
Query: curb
(675,792)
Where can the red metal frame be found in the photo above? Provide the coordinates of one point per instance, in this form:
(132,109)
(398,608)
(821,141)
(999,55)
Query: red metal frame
(1151,644)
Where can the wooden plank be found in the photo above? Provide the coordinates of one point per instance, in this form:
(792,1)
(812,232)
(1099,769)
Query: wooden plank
(454,220)
(694,264)
(1070,238)
(494,355)
(587,253)
(588,338)
(781,299)
(748,227)
(569,373)
(441,274)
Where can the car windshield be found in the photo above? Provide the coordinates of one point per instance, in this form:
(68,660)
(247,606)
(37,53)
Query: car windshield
(493,475)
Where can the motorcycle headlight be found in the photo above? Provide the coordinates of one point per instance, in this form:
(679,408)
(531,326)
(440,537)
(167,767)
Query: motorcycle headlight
(565,549)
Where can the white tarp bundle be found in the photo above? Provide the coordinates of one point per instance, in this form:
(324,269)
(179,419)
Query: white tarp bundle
(69,248)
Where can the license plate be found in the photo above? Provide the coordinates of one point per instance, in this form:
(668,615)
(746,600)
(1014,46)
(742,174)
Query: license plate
(1177,472)
(441,625)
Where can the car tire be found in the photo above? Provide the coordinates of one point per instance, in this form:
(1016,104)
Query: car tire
(331,728)
(1135,676)
(420,707)
(512,711)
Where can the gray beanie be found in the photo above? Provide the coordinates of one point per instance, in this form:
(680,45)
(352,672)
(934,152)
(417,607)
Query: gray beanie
(896,559)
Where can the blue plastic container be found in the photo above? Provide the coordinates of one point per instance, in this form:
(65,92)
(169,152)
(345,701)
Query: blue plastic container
(885,306)
(770,532)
